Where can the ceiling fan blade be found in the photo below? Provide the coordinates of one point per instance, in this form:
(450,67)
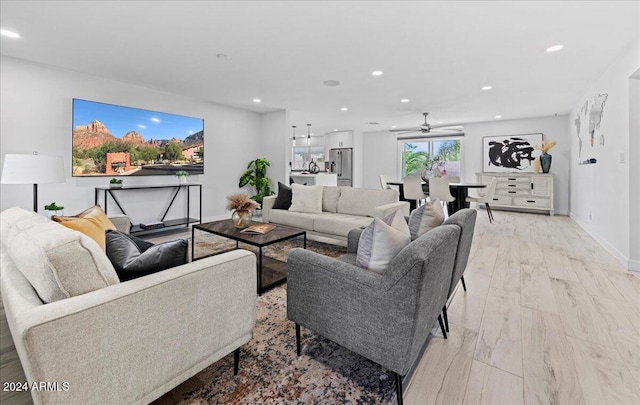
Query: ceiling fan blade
(448,126)
(415,129)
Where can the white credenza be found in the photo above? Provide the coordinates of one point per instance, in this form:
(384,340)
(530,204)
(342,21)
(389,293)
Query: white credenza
(521,191)
(320,179)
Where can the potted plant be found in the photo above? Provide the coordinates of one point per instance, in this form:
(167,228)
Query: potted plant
(256,176)
(115,183)
(53,209)
(182,176)
(241,206)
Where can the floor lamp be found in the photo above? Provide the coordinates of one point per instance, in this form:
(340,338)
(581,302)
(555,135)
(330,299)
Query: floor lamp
(32,169)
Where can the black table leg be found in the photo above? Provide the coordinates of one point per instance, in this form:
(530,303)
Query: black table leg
(193,244)
(260,271)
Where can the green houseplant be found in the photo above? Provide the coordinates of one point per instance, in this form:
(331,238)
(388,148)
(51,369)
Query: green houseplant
(256,176)
(54,209)
(115,183)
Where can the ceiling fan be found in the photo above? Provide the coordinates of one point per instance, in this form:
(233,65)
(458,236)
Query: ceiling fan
(427,128)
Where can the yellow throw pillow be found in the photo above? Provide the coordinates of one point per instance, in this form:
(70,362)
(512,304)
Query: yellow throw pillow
(92,222)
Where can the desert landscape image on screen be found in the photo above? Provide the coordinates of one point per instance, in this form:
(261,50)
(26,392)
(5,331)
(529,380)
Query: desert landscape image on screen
(111,140)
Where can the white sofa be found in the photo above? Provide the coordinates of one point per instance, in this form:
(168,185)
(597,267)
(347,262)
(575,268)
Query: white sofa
(343,209)
(125,343)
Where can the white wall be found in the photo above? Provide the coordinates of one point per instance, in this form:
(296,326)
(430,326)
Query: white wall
(35,110)
(273,143)
(600,193)
(381,154)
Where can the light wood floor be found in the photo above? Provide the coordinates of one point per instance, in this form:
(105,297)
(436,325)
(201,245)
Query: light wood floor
(549,317)
(544,300)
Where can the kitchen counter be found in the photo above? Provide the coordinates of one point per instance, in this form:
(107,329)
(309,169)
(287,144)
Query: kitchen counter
(319,179)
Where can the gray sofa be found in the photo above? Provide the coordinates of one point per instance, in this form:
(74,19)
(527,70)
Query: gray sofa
(385,318)
(125,343)
(343,209)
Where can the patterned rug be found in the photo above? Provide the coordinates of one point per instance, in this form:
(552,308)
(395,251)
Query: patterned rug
(270,372)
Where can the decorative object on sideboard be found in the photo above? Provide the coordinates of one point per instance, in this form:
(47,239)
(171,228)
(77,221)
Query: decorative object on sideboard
(115,183)
(256,176)
(182,176)
(54,209)
(32,169)
(545,158)
(536,165)
(241,206)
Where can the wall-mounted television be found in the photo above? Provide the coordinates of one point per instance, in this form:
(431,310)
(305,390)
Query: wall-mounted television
(113,140)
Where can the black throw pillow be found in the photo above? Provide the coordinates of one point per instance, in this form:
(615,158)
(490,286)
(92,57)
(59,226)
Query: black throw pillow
(283,200)
(134,257)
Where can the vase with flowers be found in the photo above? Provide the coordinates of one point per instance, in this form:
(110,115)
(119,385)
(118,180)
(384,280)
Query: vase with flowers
(545,158)
(241,206)
(182,176)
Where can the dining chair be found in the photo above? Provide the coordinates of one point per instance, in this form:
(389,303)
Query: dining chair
(453,179)
(488,197)
(383,182)
(439,188)
(413,188)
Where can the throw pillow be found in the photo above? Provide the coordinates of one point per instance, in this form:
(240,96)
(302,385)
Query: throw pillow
(306,198)
(425,218)
(283,200)
(381,241)
(133,257)
(330,196)
(92,222)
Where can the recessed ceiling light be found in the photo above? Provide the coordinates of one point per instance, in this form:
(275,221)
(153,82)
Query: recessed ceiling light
(487,87)
(404,100)
(439,122)
(344,109)
(498,116)
(257,100)
(377,73)
(555,48)
(394,126)
(10,34)
(222,56)
(335,129)
(331,83)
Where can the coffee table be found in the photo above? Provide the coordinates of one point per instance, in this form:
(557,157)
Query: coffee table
(271,272)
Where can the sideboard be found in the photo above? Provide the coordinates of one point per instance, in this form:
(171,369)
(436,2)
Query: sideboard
(521,191)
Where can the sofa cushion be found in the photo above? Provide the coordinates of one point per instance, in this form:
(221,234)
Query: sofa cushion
(296,219)
(283,200)
(330,196)
(306,198)
(339,224)
(92,222)
(15,219)
(133,257)
(425,218)
(59,262)
(360,201)
(381,241)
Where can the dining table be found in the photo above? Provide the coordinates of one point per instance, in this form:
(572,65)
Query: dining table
(459,190)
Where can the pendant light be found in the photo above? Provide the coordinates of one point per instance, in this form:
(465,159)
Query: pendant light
(294,135)
(308,134)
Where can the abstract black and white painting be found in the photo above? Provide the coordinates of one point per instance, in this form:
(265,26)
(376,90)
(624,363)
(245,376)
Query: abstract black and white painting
(510,153)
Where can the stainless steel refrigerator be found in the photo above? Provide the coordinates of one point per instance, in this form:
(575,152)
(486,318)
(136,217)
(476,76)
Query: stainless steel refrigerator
(342,165)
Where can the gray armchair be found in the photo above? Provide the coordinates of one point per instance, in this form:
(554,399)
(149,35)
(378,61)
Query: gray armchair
(466,220)
(385,318)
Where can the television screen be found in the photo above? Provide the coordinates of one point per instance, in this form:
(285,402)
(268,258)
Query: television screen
(112,140)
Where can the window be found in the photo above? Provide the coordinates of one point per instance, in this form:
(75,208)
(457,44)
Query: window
(302,155)
(442,153)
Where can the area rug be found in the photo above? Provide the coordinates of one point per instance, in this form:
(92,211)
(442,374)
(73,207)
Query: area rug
(271,373)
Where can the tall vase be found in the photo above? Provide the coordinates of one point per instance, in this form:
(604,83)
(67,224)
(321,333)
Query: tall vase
(545,162)
(241,218)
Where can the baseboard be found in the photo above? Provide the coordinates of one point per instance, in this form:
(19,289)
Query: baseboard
(634,265)
(625,261)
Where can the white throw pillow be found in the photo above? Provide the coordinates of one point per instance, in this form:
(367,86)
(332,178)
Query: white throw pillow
(381,241)
(306,198)
(425,218)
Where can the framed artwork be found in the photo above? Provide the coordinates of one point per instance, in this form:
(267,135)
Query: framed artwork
(510,153)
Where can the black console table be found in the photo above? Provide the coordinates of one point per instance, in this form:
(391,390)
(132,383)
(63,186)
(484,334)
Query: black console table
(166,224)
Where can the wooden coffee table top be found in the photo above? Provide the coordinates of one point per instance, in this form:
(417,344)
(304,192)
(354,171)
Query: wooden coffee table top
(225,228)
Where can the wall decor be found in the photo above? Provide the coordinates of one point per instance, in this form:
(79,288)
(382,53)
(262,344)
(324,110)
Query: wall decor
(113,140)
(510,153)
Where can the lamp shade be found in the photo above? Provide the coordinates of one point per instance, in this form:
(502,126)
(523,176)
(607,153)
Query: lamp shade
(32,169)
